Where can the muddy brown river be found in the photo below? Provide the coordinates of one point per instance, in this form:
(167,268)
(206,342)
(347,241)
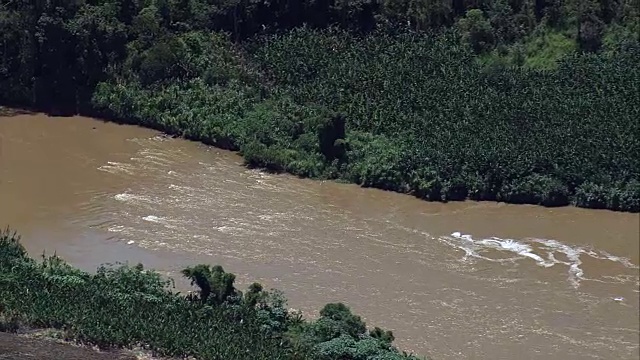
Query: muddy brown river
(463,280)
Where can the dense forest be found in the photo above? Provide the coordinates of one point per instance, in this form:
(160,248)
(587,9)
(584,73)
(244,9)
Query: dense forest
(521,101)
(124,306)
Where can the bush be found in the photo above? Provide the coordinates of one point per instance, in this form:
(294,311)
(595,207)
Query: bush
(621,197)
(413,124)
(411,113)
(386,107)
(123,306)
(535,189)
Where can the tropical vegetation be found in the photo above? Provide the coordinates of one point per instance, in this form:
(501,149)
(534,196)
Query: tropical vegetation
(521,101)
(121,306)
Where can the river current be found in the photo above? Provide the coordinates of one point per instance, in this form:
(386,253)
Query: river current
(463,280)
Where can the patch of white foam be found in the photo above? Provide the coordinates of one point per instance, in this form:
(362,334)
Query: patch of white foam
(117,167)
(532,249)
(235,231)
(155,219)
(147,162)
(623,261)
(115,228)
(126,197)
(168,223)
(155,156)
(161,137)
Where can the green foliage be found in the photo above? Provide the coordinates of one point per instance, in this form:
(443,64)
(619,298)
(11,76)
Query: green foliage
(337,318)
(546,48)
(541,50)
(476,31)
(375,161)
(10,247)
(339,334)
(345,347)
(590,26)
(617,37)
(514,138)
(123,306)
(378,333)
(596,196)
(216,286)
(398,102)
(536,188)
(503,22)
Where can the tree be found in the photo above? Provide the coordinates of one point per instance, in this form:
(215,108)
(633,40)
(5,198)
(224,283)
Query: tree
(100,40)
(477,31)
(385,336)
(419,14)
(146,26)
(254,295)
(331,135)
(502,21)
(341,320)
(216,286)
(590,26)
(555,14)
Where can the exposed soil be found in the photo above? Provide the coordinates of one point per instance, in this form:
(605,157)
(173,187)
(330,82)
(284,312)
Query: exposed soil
(20,347)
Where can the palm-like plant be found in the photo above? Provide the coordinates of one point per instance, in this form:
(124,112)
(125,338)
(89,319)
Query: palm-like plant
(216,285)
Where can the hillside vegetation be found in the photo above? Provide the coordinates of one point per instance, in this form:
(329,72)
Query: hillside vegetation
(522,101)
(123,306)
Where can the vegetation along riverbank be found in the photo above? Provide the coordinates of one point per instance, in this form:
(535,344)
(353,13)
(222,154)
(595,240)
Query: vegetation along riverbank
(518,101)
(124,307)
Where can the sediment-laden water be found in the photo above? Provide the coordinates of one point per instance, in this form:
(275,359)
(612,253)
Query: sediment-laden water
(461,280)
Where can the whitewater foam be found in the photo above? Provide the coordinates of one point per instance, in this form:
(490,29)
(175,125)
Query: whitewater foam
(126,197)
(117,167)
(523,249)
(155,219)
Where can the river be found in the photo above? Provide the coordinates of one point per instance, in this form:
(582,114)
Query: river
(464,280)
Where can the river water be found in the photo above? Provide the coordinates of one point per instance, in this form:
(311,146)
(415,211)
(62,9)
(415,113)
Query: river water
(464,280)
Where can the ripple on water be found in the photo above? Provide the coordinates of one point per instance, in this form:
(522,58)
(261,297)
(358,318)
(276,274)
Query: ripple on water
(534,249)
(215,203)
(113,167)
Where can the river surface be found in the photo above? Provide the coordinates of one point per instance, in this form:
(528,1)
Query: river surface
(466,280)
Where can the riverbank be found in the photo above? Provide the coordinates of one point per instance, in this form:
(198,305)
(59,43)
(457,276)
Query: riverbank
(435,142)
(447,112)
(138,197)
(125,307)
(21,347)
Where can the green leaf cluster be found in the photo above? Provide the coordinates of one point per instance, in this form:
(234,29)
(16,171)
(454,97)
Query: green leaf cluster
(125,306)
(516,101)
